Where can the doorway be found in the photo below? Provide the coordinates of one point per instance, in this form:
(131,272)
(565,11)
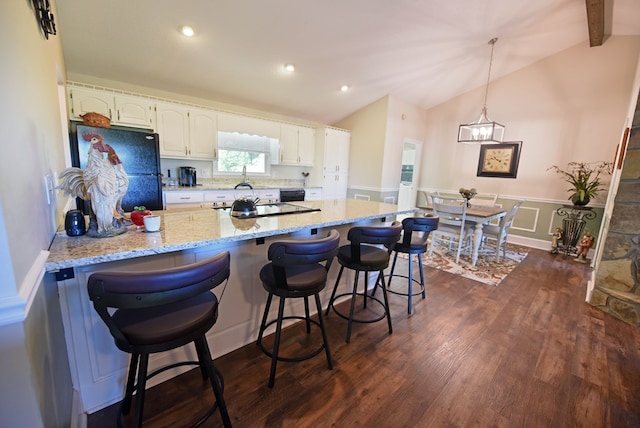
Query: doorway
(410,171)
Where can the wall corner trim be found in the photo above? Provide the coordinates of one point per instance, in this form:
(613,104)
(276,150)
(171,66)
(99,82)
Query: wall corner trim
(14,309)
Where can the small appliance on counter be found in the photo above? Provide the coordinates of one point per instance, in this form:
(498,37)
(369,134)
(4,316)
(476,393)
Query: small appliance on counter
(74,223)
(187,176)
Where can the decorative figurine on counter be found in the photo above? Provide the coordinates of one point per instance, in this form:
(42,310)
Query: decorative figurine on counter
(103,182)
(556,236)
(585,243)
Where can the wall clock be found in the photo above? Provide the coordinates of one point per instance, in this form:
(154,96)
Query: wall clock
(45,17)
(499,160)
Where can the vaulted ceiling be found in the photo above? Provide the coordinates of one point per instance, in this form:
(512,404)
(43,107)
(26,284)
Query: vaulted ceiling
(424,52)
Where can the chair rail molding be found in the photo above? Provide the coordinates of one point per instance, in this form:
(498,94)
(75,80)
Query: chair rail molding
(14,309)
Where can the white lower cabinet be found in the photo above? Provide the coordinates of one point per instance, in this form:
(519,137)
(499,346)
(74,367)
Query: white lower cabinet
(186,199)
(313,194)
(334,186)
(218,197)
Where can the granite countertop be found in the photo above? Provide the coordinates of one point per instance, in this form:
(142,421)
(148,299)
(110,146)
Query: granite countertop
(192,228)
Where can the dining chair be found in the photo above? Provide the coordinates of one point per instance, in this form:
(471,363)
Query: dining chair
(453,227)
(496,235)
(485,199)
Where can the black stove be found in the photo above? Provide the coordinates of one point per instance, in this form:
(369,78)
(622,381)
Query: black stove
(267,210)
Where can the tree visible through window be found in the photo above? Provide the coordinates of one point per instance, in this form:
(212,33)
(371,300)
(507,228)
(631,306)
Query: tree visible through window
(233,161)
(236,151)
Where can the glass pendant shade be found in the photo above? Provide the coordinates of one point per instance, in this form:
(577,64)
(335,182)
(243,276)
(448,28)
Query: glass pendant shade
(483,131)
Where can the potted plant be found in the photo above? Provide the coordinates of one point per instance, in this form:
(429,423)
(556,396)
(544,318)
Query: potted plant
(584,178)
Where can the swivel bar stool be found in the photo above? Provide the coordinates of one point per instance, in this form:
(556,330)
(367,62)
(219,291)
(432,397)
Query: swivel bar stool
(359,256)
(298,269)
(415,233)
(157,311)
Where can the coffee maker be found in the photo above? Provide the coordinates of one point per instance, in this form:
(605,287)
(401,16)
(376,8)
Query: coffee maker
(187,176)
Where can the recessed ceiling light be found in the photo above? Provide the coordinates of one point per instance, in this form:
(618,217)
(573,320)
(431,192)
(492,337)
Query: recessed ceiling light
(187,31)
(290,68)
(344,88)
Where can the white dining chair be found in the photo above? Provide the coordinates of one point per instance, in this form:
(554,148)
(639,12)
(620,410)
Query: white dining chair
(453,227)
(485,199)
(495,236)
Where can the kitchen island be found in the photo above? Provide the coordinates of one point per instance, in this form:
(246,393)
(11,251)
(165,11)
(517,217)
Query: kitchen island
(98,368)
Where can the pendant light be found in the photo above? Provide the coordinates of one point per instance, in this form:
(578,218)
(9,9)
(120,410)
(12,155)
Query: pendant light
(484,130)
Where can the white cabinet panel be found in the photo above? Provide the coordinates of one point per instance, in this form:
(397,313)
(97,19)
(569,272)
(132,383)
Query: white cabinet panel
(184,199)
(297,145)
(90,100)
(334,186)
(332,153)
(269,195)
(125,110)
(218,197)
(313,194)
(135,111)
(203,134)
(173,128)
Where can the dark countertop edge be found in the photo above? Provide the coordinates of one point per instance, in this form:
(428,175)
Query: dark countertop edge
(126,255)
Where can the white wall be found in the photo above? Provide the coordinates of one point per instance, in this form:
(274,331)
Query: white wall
(568,107)
(31,139)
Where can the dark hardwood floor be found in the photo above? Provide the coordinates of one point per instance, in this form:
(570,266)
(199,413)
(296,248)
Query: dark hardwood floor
(528,353)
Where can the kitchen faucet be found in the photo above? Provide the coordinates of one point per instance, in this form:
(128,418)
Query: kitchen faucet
(244,174)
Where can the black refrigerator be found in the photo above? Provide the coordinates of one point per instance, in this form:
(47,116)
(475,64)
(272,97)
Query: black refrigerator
(139,153)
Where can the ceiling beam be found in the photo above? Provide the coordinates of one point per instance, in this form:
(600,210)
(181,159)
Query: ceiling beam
(596,20)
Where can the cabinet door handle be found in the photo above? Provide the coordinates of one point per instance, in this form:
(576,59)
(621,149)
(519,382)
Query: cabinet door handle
(110,114)
(118,114)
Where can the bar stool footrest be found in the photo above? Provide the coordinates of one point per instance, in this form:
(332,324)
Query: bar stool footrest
(400,293)
(292,359)
(209,412)
(360,320)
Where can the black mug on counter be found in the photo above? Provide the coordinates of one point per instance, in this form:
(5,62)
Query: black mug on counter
(74,223)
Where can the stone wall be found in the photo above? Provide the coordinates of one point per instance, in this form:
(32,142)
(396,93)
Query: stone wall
(617,280)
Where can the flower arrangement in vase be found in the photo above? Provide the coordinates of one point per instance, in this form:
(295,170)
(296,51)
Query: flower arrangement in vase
(468,194)
(584,178)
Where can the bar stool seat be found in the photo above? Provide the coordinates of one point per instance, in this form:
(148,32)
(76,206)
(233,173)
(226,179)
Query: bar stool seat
(415,233)
(158,311)
(361,255)
(298,269)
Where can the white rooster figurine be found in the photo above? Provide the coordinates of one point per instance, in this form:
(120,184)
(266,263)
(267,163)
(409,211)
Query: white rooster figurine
(98,182)
(122,179)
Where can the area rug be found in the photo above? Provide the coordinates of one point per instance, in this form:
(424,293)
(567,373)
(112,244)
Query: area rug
(486,270)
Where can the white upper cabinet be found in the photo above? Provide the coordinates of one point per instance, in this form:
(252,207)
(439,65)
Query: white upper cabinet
(122,109)
(203,134)
(173,129)
(136,111)
(297,145)
(186,132)
(89,100)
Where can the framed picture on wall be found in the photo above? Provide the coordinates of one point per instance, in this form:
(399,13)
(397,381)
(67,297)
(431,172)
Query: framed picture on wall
(499,160)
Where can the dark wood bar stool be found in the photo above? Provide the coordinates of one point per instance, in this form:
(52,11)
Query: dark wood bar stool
(158,311)
(298,269)
(415,233)
(361,256)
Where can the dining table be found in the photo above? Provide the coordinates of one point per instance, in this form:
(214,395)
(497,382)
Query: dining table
(479,215)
